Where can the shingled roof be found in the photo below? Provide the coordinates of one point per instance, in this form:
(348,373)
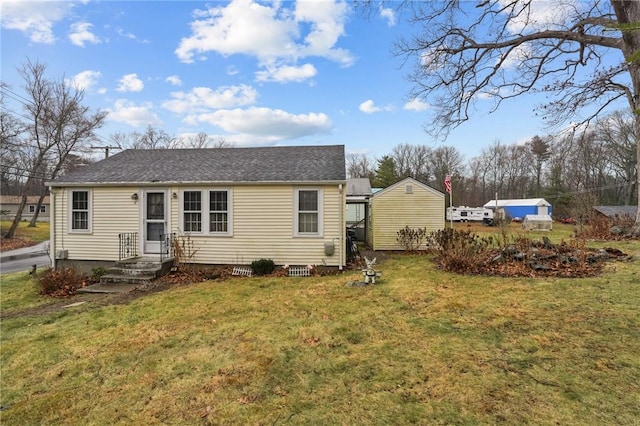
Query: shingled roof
(265,164)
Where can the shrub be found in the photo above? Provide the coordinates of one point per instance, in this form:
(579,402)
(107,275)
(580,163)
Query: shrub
(263,266)
(61,282)
(461,251)
(97,273)
(410,238)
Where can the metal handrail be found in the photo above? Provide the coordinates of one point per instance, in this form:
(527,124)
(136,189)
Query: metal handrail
(128,245)
(166,246)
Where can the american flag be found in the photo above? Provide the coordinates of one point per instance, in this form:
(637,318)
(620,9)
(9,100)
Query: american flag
(447,183)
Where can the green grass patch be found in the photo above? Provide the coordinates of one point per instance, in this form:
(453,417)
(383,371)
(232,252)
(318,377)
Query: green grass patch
(19,291)
(423,346)
(36,234)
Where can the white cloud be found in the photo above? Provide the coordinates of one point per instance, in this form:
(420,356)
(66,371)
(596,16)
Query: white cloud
(416,105)
(34,18)
(542,14)
(134,115)
(368,107)
(130,83)
(174,80)
(203,99)
(80,34)
(389,15)
(518,55)
(267,124)
(286,74)
(85,79)
(272,33)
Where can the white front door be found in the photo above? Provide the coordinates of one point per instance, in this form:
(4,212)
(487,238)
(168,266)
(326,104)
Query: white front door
(155,220)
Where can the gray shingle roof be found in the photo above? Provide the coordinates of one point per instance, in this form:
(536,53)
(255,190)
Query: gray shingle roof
(265,164)
(611,211)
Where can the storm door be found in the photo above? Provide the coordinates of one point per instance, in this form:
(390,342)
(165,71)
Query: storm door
(155,220)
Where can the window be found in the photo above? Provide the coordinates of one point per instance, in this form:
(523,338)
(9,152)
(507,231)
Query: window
(32,208)
(218,212)
(192,208)
(308,218)
(195,214)
(80,206)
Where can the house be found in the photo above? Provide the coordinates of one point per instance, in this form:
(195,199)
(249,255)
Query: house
(519,208)
(358,194)
(406,203)
(9,205)
(228,205)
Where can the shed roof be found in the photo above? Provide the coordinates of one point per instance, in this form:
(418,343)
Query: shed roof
(611,211)
(358,187)
(409,180)
(518,202)
(232,165)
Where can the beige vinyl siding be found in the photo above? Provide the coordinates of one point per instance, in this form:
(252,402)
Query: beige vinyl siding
(263,227)
(393,209)
(112,212)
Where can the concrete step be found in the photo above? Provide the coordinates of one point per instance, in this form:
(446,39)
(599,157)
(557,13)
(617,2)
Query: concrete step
(135,271)
(127,279)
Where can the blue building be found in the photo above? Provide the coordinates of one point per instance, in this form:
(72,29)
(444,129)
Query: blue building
(521,207)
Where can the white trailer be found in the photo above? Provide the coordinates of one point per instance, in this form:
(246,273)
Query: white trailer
(469,214)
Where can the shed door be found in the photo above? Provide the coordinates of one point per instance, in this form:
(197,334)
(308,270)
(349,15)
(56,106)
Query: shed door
(155,220)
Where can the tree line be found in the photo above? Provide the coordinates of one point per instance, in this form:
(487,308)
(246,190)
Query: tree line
(597,162)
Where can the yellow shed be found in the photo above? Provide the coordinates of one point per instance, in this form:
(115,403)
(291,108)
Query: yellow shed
(407,203)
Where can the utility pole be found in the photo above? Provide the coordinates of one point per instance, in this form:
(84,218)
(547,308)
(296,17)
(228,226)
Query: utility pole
(106,149)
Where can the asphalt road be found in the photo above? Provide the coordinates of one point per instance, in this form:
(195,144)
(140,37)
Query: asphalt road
(23,260)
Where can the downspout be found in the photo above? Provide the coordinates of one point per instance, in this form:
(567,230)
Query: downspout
(52,229)
(342,241)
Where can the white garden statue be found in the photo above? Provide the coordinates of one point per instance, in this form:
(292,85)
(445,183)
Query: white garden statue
(369,273)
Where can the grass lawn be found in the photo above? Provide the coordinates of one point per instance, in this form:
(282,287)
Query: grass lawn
(422,346)
(24,234)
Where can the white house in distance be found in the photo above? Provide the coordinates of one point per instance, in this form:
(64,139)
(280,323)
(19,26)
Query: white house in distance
(406,203)
(235,205)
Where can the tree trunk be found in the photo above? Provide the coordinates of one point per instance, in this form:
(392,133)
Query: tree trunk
(34,219)
(16,220)
(628,12)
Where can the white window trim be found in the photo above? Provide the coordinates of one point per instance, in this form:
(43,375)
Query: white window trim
(89,229)
(296,204)
(206,212)
(182,211)
(229,231)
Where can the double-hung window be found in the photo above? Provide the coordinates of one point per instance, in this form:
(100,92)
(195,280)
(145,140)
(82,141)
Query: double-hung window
(80,211)
(207,212)
(218,212)
(308,214)
(192,211)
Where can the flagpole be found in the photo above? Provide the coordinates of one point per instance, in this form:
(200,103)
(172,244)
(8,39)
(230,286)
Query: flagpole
(451,206)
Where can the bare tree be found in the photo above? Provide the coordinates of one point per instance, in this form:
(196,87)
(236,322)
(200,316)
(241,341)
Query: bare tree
(220,142)
(412,161)
(616,132)
(359,166)
(540,149)
(443,161)
(466,50)
(152,138)
(56,123)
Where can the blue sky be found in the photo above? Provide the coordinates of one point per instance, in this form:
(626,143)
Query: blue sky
(256,73)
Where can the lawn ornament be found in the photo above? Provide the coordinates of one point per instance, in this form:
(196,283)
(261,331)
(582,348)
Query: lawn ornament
(369,273)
